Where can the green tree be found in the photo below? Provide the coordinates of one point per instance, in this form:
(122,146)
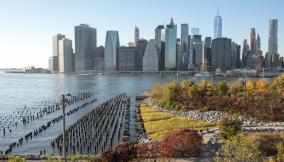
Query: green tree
(239,148)
(278,82)
(230,127)
(221,88)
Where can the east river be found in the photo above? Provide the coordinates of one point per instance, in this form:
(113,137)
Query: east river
(28,93)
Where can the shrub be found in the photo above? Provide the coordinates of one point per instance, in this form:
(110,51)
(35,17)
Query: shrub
(181,143)
(236,87)
(148,150)
(221,88)
(278,82)
(261,84)
(229,127)
(16,159)
(250,85)
(239,148)
(123,152)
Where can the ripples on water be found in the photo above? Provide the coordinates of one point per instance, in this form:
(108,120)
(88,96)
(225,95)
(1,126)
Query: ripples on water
(20,90)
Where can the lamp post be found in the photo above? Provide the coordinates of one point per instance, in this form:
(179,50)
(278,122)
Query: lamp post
(64,101)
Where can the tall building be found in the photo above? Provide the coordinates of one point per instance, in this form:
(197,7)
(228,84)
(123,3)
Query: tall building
(221,56)
(85,47)
(111,50)
(140,50)
(126,58)
(235,55)
(245,52)
(150,59)
(159,32)
(55,43)
(53,61)
(218,26)
(206,60)
(99,58)
(136,34)
(197,50)
(273,36)
(171,46)
(66,56)
(185,47)
(252,41)
(195,31)
(258,43)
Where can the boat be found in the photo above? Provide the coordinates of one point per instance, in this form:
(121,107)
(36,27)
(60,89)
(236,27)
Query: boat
(202,74)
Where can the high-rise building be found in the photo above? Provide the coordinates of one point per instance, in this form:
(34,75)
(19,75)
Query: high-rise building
(235,55)
(273,36)
(206,60)
(55,42)
(136,35)
(99,58)
(252,41)
(126,58)
(195,31)
(140,50)
(66,56)
(150,59)
(184,57)
(258,43)
(85,47)
(221,56)
(53,63)
(245,52)
(159,32)
(197,50)
(218,25)
(171,46)
(111,50)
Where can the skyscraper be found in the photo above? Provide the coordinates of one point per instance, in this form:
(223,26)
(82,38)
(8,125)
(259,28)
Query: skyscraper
(273,36)
(53,63)
(218,25)
(136,34)
(171,46)
(66,56)
(85,47)
(206,60)
(252,41)
(184,57)
(126,58)
(160,29)
(221,56)
(140,50)
(150,59)
(197,50)
(99,58)
(111,50)
(258,43)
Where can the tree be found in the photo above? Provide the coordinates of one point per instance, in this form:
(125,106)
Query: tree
(181,143)
(221,88)
(261,84)
(236,87)
(250,85)
(278,82)
(229,127)
(239,148)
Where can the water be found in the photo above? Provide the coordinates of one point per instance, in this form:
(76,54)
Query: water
(18,90)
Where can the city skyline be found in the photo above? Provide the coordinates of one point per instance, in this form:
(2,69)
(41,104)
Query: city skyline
(33,36)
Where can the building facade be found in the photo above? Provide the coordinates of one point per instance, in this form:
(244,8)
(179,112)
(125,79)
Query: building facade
(185,47)
(197,50)
(136,35)
(160,43)
(66,56)
(111,50)
(218,26)
(126,58)
(171,46)
(85,47)
(150,59)
(140,50)
(221,56)
(99,58)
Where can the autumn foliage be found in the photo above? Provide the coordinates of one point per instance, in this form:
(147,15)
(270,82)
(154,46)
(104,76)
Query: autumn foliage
(181,143)
(257,99)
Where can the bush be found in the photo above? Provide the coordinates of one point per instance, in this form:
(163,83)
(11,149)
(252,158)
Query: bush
(148,150)
(16,159)
(229,127)
(181,143)
(123,152)
(278,82)
(239,148)
(261,85)
(250,85)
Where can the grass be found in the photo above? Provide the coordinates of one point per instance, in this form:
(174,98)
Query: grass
(157,123)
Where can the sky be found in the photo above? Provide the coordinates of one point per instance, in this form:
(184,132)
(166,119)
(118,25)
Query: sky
(27,26)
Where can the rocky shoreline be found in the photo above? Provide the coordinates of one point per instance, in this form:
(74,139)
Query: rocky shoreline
(213,116)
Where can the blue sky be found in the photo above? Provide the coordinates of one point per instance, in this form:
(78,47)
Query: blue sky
(27,26)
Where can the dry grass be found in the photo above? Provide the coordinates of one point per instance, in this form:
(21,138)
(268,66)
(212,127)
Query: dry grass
(157,123)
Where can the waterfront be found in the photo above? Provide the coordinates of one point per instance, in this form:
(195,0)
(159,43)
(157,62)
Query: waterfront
(18,90)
